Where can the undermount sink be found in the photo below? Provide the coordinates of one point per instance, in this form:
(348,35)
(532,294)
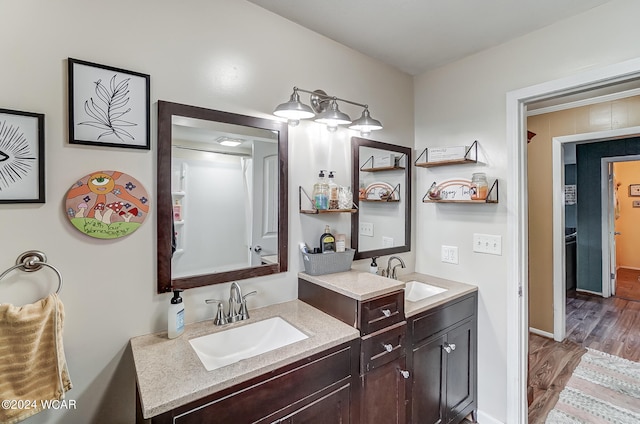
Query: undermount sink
(415,291)
(226,347)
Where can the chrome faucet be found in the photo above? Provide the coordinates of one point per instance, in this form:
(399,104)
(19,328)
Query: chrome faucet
(238,310)
(391,272)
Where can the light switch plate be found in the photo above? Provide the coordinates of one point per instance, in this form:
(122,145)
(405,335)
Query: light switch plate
(487,243)
(387,241)
(366,229)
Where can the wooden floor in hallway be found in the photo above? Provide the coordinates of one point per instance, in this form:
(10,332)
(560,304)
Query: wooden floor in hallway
(610,325)
(628,283)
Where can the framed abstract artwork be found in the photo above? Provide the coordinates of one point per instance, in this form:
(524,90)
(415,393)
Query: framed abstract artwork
(21,157)
(108,106)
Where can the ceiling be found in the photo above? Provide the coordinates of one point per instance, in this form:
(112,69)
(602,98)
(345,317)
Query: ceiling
(418,35)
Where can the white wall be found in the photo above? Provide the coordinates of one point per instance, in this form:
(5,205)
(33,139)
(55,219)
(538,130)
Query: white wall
(222,54)
(465,101)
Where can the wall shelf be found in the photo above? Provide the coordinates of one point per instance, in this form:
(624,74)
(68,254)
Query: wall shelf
(381,168)
(492,197)
(312,211)
(470,156)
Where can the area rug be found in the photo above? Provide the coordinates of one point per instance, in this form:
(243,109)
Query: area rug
(602,389)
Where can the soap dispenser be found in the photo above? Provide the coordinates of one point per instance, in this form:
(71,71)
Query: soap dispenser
(333,191)
(373,268)
(321,192)
(175,318)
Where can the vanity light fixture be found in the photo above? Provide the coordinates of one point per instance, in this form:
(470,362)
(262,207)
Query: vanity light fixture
(230,142)
(325,109)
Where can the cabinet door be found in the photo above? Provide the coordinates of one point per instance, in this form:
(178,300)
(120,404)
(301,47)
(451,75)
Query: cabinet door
(427,402)
(333,408)
(461,372)
(383,394)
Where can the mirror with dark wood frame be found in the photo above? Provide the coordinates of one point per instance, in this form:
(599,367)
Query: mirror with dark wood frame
(222,209)
(382,191)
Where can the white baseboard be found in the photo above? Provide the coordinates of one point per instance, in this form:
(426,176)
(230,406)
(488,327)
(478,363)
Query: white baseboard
(484,418)
(627,267)
(588,291)
(541,333)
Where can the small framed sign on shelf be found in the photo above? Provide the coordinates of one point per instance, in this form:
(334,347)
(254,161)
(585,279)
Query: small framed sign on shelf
(634,189)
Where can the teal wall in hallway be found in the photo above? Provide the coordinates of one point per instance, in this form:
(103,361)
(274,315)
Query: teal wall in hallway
(589,214)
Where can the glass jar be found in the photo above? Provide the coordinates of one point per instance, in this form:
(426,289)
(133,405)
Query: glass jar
(479,186)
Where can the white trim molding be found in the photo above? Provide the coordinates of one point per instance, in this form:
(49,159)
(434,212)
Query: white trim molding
(517,219)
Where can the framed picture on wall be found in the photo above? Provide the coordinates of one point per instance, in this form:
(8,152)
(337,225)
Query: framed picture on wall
(108,106)
(21,157)
(634,189)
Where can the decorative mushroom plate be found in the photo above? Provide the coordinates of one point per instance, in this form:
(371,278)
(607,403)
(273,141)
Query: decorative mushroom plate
(107,204)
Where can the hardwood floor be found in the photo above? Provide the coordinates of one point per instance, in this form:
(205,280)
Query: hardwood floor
(628,284)
(550,367)
(609,325)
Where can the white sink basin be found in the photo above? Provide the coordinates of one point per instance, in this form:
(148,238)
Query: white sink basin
(415,291)
(226,347)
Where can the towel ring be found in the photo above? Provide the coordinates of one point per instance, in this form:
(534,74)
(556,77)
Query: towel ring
(33,260)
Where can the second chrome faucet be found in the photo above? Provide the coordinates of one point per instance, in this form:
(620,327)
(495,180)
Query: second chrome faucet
(237,310)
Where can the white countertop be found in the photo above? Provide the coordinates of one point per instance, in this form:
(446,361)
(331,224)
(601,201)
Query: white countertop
(170,374)
(357,285)
(455,289)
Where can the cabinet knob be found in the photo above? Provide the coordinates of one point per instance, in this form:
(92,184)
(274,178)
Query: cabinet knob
(387,347)
(449,347)
(404,373)
(386,312)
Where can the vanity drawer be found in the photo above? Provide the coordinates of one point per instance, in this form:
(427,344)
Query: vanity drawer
(440,318)
(383,347)
(376,314)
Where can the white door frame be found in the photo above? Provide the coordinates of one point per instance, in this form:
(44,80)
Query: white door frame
(517,217)
(559,260)
(606,231)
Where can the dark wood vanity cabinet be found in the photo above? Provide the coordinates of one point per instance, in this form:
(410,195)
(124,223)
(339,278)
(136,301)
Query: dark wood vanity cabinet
(381,395)
(315,390)
(443,361)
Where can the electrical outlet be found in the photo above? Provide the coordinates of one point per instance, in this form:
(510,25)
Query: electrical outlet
(487,243)
(449,254)
(366,229)
(387,241)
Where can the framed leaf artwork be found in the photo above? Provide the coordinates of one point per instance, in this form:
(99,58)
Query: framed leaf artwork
(21,157)
(108,106)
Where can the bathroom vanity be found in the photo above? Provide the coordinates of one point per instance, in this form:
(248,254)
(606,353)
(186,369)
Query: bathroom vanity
(311,380)
(369,356)
(417,358)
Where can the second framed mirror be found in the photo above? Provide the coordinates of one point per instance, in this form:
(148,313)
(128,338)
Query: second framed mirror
(382,191)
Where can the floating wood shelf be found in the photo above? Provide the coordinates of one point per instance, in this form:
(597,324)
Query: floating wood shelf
(445,162)
(381,168)
(384,168)
(379,200)
(492,197)
(313,211)
(459,201)
(470,156)
(321,211)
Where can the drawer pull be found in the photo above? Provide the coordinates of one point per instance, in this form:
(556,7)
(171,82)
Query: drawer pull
(449,347)
(387,347)
(404,373)
(386,312)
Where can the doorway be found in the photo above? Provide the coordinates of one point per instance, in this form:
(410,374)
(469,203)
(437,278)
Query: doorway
(559,218)
(624,235)
(517,295)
